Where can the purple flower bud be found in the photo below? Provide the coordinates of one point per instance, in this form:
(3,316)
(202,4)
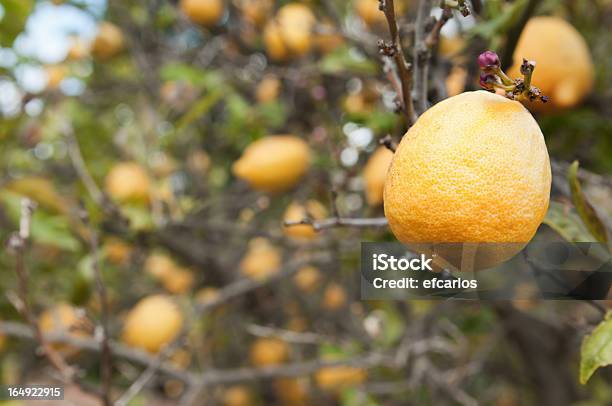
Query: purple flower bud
(487,80)
(488,60)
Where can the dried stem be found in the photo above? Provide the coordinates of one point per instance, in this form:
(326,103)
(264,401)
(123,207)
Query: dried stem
(340,222)
(403,68)
(17,243)
(106,364)
(421,54)
(387,142)
(78,163)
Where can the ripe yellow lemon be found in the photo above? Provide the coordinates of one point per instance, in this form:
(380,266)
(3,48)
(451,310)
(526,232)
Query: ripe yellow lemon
(292,391)
(117,252)
(307,278)
(154,322)
(564,68)
(274,163)
(128,182)
(268,89)
(296,23)
(328,40)
(78,50)
(289,34)
(375,173)
(238,395)
(261,260)
(269,351)
(109,41)
(296,212)
(370,13)
(204,12)
(63,319)
(339,377)
(255,11)
(334,297)
(159,266)
(55,75)
(473,168)
(174,278)
(206,295)
(273,40)
(456,80)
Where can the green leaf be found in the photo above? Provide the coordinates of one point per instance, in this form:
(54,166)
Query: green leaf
(586,212)
(596,349)
(47,229)
(566,223)
(346,60)
(502,22)
(199,108)
(16,13)
(355,397)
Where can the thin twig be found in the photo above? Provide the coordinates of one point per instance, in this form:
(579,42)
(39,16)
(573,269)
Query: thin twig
(340,222)
(78,163)
(106,364)
(288,335)
(119,350)
(403,68)
(421,55)
(139,384)
(387,142)
(17,243)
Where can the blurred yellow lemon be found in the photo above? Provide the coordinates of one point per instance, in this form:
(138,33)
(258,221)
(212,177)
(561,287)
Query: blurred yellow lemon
(261,260)
(564,68)
(375,173)
(334,297)
(63,319)
(55,75)
(117,252)
(455,81)
(296,212)
(291,391)
(255,11)
(204,12)
(274,163)
(289,34)
(238,395)
(339,377)
(128,182)
(268,351)
(174,278)
(109,41)
(154,322)
(307,278)
(268,89)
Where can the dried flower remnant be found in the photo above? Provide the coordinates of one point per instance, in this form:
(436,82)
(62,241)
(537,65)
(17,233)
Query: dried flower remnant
(493,78)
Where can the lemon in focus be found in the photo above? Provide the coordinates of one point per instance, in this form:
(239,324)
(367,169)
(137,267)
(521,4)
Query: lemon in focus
(473,168)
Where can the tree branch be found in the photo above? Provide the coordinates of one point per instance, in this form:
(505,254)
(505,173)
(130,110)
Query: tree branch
(403,68)
(340,222)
